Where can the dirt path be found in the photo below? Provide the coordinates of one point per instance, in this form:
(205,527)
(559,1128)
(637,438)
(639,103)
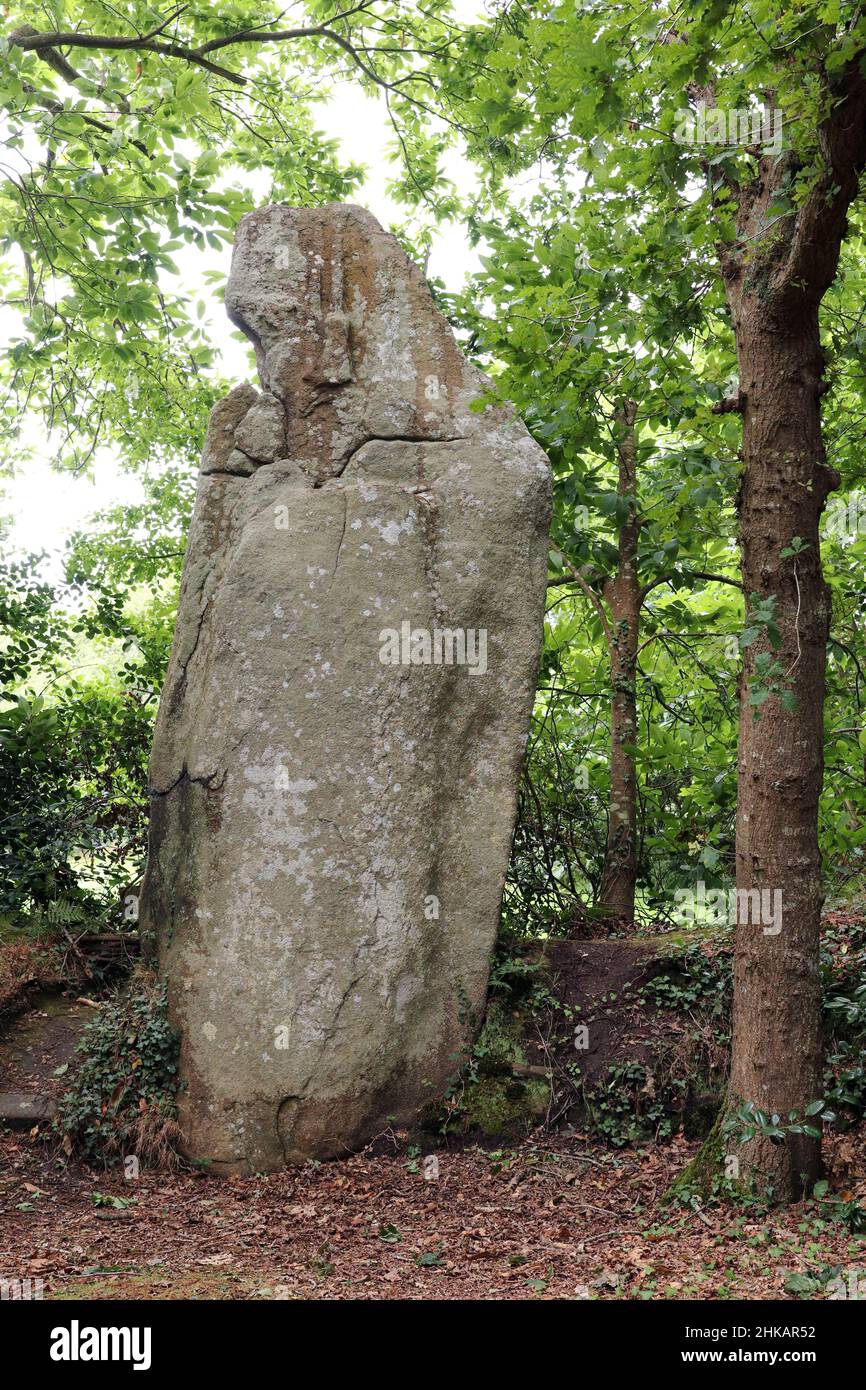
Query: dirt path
(32,1049)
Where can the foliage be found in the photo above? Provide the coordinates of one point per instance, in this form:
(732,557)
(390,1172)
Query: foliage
(80,690)
(486,1095)
(694,978)
(843,970)
(749,1122)
(139,142)
(599,216)
(624,1109)
(121,1099)
(840,1207)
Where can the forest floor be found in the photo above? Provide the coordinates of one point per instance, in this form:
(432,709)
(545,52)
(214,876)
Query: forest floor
(553,1215)
(543,1219)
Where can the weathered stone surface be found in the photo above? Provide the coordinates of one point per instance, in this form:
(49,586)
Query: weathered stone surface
(330,830)
(24,1108)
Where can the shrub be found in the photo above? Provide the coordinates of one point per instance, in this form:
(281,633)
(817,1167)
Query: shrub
(122,1098)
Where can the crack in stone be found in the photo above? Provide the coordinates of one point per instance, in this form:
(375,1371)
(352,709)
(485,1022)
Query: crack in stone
(202,616)
(389,439)
(340,541)
(206,782)
(232,472)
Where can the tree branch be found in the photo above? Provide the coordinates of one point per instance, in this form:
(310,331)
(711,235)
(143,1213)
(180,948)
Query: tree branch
(813,251)
(574,576)
(691,574)
(30,39)
(730,405)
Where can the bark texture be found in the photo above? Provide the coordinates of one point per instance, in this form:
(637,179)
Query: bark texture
(777,1046)
(775,280)
(623,596)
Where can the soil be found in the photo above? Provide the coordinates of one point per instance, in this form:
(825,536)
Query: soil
(546,1219)
(41,1040)
(597,980)
(549,1215)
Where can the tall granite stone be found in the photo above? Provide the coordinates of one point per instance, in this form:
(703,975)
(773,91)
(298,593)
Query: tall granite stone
(335,765)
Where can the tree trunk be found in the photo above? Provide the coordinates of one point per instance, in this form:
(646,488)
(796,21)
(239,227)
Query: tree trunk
(624,599)
(776,273)
(777,1043)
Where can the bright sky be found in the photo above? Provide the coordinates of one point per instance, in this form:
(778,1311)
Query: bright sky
(46,507)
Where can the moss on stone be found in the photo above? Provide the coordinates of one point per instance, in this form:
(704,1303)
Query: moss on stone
(496,1101)
(504,1109)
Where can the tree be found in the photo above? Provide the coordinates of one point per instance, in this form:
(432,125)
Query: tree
(134,135)
(602,367)
(639,98)
(775,284)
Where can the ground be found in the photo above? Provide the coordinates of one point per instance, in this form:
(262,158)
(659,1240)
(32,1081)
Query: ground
(550,1214)
(542,1220)
(41,1042)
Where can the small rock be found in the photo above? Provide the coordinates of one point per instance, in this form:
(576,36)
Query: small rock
(20,1108)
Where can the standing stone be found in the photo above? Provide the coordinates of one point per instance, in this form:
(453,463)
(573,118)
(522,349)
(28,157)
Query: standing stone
(335,765)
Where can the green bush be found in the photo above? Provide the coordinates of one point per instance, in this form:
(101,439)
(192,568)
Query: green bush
(622,1108)
(79,678)
(122,1097)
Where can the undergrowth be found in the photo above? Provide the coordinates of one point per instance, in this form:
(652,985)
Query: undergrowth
(122,1097)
